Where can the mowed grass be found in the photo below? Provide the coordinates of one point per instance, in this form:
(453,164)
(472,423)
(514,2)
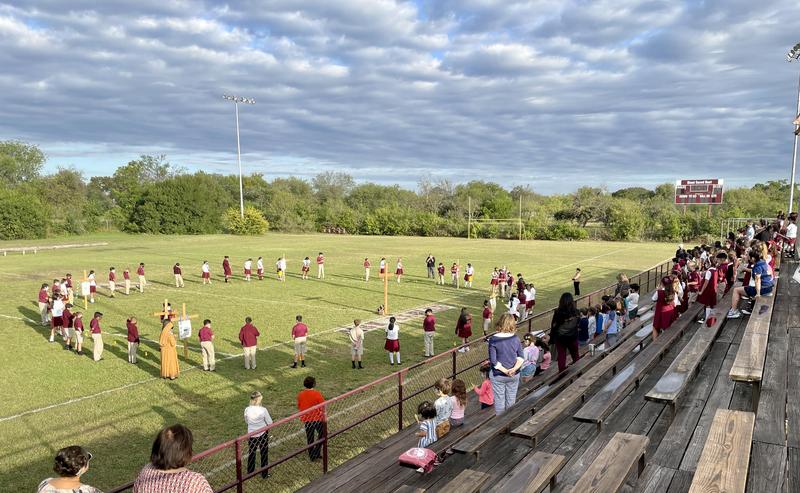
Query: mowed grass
(114,408)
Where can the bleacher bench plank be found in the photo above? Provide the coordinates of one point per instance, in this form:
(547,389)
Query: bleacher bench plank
(724,462)
(408,489)
(533,474)
(467,481)
(602,403)
(608,472)
(539,422)
(672,385)
(749,363)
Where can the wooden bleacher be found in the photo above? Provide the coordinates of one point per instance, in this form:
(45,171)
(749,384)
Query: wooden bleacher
(684,444)
(608,471)
(749,364)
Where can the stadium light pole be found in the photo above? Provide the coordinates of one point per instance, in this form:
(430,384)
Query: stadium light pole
(236,100)
(794,54)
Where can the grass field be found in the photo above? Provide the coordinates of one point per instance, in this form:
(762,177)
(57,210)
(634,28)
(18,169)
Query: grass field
(115,408)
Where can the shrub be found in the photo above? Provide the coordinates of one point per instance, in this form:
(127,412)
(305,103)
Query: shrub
(252,224)
(22,216)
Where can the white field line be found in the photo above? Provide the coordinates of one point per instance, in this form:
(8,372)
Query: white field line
(140,382)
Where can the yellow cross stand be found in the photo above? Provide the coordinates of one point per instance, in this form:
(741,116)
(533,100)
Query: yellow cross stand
(85,295)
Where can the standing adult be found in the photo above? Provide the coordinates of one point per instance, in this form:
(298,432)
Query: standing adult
(248,336)
(564,330)
(506,358)
(576,281)
(257,418)
(133,339)
(44,306)
(142,279)
(178,273)
(169,351)
(299,336)
(226,268)
(356,335)
(430,263)
(70,464)
(313,420)
(97,336)
(429,331)
(166,472)
(320,266)
(206,335)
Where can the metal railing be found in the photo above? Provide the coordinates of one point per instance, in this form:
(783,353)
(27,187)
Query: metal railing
(361,418)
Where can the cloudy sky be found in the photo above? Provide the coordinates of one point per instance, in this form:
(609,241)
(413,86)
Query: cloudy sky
(547,93)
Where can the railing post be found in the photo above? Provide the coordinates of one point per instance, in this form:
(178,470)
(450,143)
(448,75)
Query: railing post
(454,363)
(589,297)
(325,446)
(400,401)
(237,446)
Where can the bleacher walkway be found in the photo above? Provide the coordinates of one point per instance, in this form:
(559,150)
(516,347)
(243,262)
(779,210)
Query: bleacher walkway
(668,417)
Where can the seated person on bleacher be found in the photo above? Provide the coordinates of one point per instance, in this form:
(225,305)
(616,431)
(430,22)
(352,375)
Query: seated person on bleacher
(761,283)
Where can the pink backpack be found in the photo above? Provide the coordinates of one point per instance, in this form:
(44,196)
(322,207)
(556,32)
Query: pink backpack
(418,458)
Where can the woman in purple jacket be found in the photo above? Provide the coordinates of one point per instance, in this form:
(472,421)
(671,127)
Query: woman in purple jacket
(505,357)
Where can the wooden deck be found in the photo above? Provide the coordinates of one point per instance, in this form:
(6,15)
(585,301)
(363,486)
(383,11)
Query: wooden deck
(676,442)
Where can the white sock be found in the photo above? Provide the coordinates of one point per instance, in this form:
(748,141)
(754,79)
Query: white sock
(708,312)
(391,358)
(398,357)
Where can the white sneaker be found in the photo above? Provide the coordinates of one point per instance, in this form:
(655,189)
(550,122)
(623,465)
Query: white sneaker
(734,314)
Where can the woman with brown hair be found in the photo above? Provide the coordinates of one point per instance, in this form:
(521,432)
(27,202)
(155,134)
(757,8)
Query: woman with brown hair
(70,464)
(166,472)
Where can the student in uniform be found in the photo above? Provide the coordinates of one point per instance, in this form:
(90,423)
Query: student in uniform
(429,331)
(366,269)
(248,336)
(206,336)
(205,272)
(530,299)
(502,279)
(398,272)
(454,273)
(320,266)
(142,280)
(299,336)
(260,268)
(78,332)
(487,317)
(68,321)
(178,273)
(494,281)
(576,282)
(133,339)
(97,336)
(708,291)
(306,267)
(92,286)
(248,269)
(112,281)
(440,271)
(392,344)
(226,268)
(282,263)
(126,277)
(382,267)
(57,320)
(470,273)
(464,328)
(44,304)
(356,335)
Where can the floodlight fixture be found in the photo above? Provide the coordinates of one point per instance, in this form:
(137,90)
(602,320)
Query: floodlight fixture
(236,100)
(794,53)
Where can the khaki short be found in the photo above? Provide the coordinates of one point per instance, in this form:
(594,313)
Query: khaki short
(357,350)
(300,345)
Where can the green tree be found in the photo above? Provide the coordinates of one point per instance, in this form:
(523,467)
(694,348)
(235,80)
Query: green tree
(252,224)
(22,216)
(20,162)
(332,185)
(625,220)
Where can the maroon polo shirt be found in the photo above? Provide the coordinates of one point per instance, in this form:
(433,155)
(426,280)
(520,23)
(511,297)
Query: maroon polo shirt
(248,334)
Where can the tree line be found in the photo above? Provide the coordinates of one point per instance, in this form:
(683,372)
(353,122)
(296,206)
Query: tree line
(149,195)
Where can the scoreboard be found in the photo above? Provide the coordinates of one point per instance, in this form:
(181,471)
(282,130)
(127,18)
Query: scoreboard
(700,192)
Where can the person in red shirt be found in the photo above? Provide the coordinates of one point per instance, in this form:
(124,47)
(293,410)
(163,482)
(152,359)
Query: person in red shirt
(97,336)
(68,320)
(429,331)
(178,273)
(487,316)
(78,331)
(320,266)
(299,336)
(126,276)
(133,339)
(206,336)
(44,304)
(226,268)
(367,265)
(142,280)
(248,336)
(112,280)
(314,421)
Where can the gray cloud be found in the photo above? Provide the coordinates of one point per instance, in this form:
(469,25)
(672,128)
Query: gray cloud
(554,94)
